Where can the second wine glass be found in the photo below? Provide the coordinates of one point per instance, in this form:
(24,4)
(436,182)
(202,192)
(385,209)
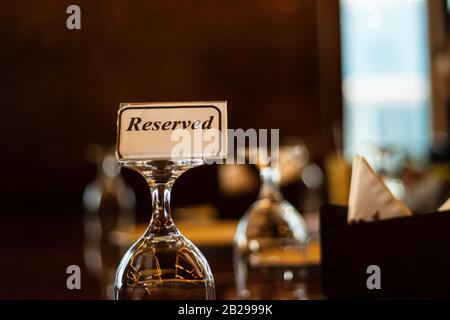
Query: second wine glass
(269,245)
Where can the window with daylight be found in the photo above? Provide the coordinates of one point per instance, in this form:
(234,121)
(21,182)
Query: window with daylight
(385,76)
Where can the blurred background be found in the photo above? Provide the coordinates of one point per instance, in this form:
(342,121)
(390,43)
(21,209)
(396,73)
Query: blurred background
(338,78)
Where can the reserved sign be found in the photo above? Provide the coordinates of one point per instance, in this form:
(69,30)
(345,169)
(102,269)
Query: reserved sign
(178,130)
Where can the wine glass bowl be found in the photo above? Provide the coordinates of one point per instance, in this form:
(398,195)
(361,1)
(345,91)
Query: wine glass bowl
(164,267)
(270,244)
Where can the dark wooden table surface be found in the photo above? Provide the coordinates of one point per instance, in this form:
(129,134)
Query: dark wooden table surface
(35,253)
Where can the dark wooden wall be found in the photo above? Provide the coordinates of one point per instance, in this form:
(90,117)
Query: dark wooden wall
(60,89)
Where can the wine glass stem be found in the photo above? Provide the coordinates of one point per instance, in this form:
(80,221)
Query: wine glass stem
(161,223)
(269,183)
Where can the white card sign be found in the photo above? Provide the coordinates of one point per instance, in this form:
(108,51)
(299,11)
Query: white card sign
(172,130)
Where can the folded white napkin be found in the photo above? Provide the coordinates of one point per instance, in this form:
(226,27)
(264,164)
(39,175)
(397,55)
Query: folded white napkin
(370,199)
(445,206)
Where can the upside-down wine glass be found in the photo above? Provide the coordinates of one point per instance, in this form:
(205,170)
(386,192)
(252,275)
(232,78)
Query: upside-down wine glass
(163,264)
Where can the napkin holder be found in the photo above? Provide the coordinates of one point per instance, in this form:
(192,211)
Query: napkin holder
(413,254)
